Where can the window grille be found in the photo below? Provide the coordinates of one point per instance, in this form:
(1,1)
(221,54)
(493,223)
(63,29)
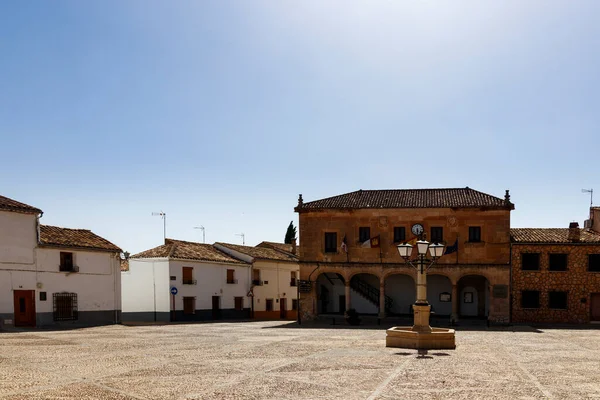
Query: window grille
(65,306)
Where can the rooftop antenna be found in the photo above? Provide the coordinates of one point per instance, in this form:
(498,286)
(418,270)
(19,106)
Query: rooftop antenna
(164,217)
(203,232)
(243,237)
(591,192)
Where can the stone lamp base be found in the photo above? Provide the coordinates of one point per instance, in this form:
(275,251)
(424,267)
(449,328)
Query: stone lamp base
(421,336)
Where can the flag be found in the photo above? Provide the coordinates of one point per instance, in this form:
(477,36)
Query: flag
(413,241)
(374,242)
(344,245)
(452,249)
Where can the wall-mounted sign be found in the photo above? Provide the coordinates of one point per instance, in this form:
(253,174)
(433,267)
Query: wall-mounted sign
(445,297)
(468,297)
(304,286)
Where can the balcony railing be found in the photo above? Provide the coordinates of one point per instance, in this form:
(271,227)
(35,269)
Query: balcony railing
(188,281)
(68,268)
(232,281)
(257,282)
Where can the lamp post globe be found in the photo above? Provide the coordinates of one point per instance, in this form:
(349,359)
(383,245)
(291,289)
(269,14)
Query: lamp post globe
(422,246)
(436,250)
(405,250)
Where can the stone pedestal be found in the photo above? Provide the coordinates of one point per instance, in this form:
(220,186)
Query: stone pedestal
(421,336)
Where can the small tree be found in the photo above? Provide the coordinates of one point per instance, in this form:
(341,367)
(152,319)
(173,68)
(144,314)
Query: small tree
(290,235)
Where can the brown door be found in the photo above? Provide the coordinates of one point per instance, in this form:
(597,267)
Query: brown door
(216,307)
(595,307)
(24,307)
(283,308)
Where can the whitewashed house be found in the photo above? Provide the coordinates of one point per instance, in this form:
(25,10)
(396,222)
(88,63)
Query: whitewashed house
(51,275)
(274,274)
(185,281)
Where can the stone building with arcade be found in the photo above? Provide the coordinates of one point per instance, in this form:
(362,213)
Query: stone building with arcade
(348,251)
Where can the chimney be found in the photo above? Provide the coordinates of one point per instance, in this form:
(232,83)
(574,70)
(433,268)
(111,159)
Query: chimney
(574,232)
(294,246)
(595,219)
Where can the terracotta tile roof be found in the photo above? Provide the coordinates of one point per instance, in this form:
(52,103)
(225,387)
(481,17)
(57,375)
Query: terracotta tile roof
(408,198)
(7,204)
(261,252)
(54,236)
(124,265)
(551,235)
(179,249)
(274,245)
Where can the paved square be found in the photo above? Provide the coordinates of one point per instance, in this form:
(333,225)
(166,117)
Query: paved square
(275,360)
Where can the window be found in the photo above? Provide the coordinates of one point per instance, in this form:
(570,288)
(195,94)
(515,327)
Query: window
(530,299)
(189,305)
(330,242)
(42,296)
(557,262)
(256,277)
(399,234)
(239,303)
(231,276)
(294,304)
(557,300)
(530,261)
(594,263)
(269,304)
(475,234)
(437,234)
(66,261)
(364,234)
(293,281)
(188,276)
(64,306)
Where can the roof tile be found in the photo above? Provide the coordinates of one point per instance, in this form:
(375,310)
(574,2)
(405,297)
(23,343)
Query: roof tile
(261,252)
(81,238)
(7,204)
(179,249)
(551,235)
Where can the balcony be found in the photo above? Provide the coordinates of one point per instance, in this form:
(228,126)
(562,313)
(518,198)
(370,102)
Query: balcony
(232,281)
(257,282)
(188,281)
(68,268)
(293,282)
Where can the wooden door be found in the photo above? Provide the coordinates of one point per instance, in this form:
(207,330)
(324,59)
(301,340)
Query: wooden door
(24,301)
(283,308)
(216,307)
(342,304)
(595,307)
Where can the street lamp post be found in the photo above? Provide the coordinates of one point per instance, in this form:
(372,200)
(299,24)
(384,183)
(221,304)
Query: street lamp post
(421,308)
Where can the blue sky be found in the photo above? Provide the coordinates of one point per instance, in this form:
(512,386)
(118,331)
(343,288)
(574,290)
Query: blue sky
(221,113)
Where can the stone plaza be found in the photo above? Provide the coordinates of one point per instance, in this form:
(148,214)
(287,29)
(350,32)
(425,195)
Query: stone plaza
(279,360)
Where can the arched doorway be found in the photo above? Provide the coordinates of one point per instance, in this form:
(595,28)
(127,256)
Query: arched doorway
(364,293)
(473,291)
(331,295)
(439,295)
(401,289)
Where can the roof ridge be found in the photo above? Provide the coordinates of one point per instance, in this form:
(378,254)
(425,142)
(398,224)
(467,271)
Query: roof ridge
(63,227)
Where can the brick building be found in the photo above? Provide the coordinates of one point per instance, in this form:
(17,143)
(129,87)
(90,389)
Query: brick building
(348,250)
(556,273)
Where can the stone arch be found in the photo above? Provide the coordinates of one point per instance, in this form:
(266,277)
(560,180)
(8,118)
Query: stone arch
(474,295)
(401,288)
(330,293)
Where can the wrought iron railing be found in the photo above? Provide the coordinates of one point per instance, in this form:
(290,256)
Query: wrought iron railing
(65,306)
(370,293)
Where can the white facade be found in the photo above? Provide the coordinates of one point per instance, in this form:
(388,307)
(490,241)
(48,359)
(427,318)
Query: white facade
(26,267)
(276,284)
(146,290)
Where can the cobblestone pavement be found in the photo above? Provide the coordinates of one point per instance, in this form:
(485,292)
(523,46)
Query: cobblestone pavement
(275,360)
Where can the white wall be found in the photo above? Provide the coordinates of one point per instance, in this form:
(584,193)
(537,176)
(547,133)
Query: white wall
(437,284)
(402,289)
(278,276)
(146,280)
(360,303)
(18,238)
(211,280)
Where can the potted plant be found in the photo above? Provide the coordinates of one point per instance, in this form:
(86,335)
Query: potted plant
(352,317)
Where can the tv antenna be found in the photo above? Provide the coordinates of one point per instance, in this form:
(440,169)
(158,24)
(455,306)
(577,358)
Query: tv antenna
(591,192)
(203,232)
(243,237)
(164,217)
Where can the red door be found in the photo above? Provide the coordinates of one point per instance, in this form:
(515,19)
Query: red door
(282,308)
(595,307)
(24,308)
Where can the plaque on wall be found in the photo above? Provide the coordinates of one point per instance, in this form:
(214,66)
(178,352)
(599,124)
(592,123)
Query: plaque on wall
(445,297)
(500,291)
(382,222)
(304,286)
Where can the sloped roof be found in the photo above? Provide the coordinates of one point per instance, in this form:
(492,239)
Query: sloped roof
(179,249)
(551,235)
(264,253)
(124,265)
(408,198)
(7,204)
(54,236)
(274,245)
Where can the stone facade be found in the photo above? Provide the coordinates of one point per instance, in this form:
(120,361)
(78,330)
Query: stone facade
(577,281)
(488,259)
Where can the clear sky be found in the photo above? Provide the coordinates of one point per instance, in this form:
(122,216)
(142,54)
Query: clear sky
(220,113)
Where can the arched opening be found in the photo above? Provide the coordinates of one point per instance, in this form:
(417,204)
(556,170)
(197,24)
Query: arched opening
(364,293)
(402,290)
(331,295)
(473,292)
(439,295)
